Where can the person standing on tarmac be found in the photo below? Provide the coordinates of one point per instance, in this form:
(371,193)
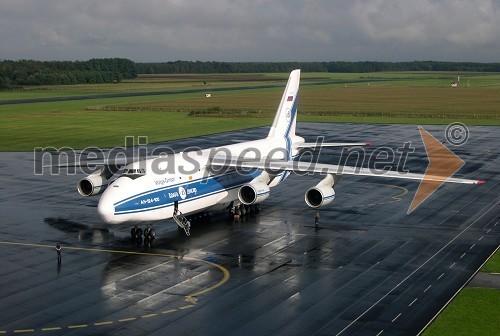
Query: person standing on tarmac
(316,219)
(58,251)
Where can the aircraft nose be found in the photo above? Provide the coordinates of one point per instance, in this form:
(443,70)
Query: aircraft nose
(106,209)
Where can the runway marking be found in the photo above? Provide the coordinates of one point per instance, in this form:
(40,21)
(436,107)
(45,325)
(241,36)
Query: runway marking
(394,319)
(186,307)
(78,326)
(103,323)
(463,255)
(415,300)
(206,290)
(417,269)
(428,287)
(398,197)
(480,237)
(191,298)
(488,230)
(380,332)
(440,276)
(470,248)
(170,311)
(21,331)
(52,329)
(451,266)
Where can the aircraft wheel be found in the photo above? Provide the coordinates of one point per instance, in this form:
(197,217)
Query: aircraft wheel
(253,208)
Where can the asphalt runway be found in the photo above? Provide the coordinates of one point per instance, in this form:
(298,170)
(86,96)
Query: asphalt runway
(370,269)
(173,92)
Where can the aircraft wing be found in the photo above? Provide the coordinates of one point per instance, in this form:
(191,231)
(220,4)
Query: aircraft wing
(308,167)
(117,162)
(315,145)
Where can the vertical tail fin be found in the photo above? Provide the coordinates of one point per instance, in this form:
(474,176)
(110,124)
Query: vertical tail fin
(286,116)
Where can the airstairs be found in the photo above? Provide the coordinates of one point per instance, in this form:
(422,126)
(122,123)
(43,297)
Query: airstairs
(182,221)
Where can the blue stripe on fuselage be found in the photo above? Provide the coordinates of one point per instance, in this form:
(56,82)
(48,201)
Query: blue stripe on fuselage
(166,196)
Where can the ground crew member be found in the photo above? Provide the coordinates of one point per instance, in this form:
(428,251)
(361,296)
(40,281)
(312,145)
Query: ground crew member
(316,219)
(58,250)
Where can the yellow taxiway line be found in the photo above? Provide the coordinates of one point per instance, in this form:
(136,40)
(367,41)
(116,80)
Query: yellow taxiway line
(191,298)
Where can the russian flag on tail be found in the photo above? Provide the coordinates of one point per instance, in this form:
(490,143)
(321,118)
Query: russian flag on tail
(290,98)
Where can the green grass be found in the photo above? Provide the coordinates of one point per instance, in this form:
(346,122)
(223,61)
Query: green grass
(26,126)
(422,98)
(493,265)
(474,311)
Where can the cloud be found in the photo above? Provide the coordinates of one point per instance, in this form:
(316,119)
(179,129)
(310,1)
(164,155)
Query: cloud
(457,22)
(260,30)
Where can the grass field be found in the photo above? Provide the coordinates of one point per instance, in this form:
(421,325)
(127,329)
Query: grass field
(416,98)
(474,311)
(493,265)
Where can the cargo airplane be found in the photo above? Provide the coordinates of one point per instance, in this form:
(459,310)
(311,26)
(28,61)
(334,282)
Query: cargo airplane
(235,177)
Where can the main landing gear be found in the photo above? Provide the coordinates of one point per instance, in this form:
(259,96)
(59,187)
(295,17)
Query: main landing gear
(239,211)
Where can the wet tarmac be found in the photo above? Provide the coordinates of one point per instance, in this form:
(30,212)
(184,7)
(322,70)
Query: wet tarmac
(370,268)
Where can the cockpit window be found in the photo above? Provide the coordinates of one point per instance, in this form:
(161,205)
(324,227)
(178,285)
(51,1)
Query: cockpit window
(134,173)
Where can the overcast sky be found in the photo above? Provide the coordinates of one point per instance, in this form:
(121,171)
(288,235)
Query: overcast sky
(253,30)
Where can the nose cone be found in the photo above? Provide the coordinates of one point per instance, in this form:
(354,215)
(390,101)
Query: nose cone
(106,209)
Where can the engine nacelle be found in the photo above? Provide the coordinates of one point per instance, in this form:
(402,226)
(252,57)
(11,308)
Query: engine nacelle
(92,185)
(319,195)
(322,193)
(253,193)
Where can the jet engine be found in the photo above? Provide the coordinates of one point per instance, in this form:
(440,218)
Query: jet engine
(322,193)
(253,193)
(95,183)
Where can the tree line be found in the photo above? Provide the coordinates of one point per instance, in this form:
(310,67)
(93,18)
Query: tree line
(181,67)
(31,72)
(109,70)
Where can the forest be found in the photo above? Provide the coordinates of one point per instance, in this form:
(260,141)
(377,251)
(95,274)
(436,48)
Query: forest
(31,72)
(179,67)
(110,70)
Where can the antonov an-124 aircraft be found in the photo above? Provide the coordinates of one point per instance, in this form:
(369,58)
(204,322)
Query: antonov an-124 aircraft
(235,177)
